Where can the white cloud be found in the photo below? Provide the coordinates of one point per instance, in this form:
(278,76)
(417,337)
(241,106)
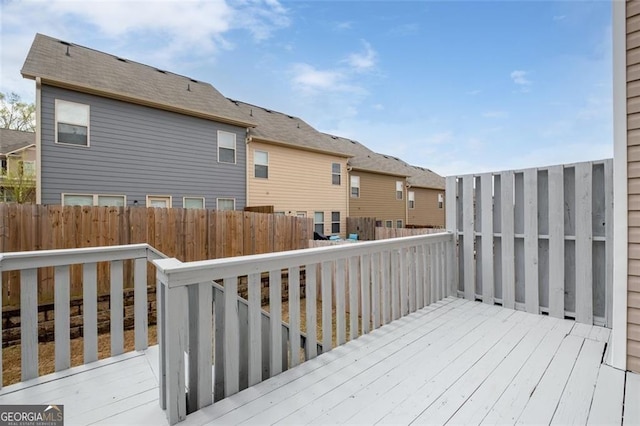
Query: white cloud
(559,17)
(165,33)
(306,76)
(342,26)
(519,77)
(495,114)
(474,92)
(363,61)
(378,107)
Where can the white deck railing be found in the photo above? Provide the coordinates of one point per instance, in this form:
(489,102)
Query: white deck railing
(380,280)
(29,262)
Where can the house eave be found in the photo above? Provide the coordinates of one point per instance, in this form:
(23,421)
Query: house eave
(294,146)
(138,101)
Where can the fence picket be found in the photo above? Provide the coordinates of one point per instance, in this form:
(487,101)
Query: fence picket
(62,318)
(584,244)
(531,240)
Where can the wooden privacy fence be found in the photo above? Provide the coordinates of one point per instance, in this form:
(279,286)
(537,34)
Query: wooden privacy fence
(186,234)
(539,240)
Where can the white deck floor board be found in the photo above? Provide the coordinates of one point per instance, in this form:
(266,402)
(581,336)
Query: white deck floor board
(333,405)
(575,402)
(631,398)
(454,362)
(376,392)
(606,407)
(549,332)
(313,383)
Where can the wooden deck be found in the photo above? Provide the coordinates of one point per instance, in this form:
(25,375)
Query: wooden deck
(456,362)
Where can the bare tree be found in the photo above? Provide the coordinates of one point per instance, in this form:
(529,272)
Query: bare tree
(15,114)
(19,182)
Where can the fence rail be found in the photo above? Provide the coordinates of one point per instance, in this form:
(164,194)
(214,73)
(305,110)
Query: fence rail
(186,234)
(384,280)
(537,239)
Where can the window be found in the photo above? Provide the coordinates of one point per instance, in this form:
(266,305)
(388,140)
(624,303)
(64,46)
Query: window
(388,223)
(110,200)
(225,203)
(226,147)
(399,223)
(77,200)
(27,168)
(318,220)
(399,190)
(261,164)
(335,222)
(193,202)
(440,201)
(72,123)
(355,186)
(93,200)
(335,173)
(379,223)
(412,200)
(159,201)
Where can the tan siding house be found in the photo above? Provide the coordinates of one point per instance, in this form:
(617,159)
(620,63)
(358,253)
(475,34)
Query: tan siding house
(291,167)
(633,158)
(378,198)
(428,208)
(624,352)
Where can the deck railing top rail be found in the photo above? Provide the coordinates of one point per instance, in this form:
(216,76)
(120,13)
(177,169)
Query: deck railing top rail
(180,274)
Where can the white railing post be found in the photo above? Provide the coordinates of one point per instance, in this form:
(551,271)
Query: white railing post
(172,338)
(141,321)
(29,323)
(62,318)
(90,311)
(452,226)
(200,348)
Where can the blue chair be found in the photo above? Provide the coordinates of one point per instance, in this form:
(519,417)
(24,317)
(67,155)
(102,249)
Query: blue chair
(353,237)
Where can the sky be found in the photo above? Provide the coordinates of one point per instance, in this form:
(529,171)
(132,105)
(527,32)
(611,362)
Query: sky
(455,86)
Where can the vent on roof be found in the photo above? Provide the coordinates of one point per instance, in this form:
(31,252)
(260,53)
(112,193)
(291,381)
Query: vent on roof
(188,87)
(66,43)
(121,59)
(291,117)
(334,137)
(385,156)
(161,71)
(267,110)
(194,81)
(354,142)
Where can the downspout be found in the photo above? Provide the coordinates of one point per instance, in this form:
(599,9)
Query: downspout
(247,180)
(38,140)
(618,352)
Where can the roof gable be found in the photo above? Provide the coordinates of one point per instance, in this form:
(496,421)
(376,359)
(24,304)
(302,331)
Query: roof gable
(15,140)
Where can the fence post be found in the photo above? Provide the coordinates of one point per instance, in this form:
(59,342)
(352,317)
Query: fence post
(172,342)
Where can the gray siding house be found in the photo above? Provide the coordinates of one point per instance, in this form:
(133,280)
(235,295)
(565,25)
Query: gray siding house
(111,131)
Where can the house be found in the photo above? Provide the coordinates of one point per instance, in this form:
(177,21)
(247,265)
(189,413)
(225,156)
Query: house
(425,198)
(386,188)
(18,160)
(293,169)
(111,131)
(375,189)
(625,353)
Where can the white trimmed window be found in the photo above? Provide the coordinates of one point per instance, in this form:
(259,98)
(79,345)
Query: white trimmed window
(412,200)
(110,200)
(336,173)
(399,223)
(335,222)
(261,164)
(77,200)
(388,223)
(226,147)
(399,190)
(355,186)
(159,201)
(72,123)
(225,203)
(93,200)
(27,168)
(318,220)
(193,202)
(440,201)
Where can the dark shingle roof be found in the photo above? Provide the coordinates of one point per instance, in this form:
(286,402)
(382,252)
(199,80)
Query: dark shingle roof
(283,129)
(367,160)
(69,65)
(13,140)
